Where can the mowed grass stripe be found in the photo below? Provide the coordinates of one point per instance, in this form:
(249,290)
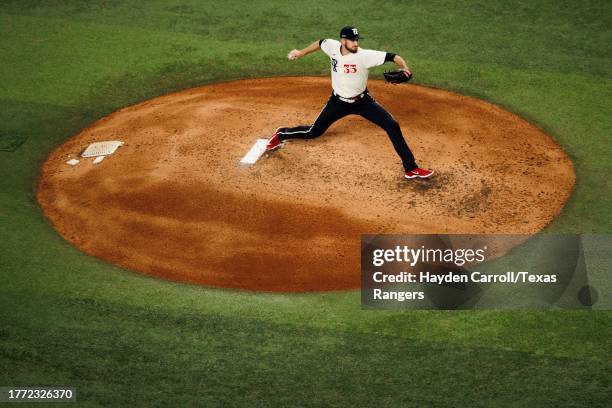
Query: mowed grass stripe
(61,62)
(142,356)
(574,334)
(548,29)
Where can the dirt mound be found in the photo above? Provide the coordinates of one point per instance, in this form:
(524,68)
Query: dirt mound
(175,203)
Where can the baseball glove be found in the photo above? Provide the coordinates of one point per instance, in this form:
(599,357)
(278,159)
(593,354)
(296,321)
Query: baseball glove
(398,77)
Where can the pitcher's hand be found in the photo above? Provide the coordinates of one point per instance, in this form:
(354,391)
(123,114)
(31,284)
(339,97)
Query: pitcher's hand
(294,54)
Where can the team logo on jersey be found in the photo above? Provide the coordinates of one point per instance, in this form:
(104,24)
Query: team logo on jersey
(334,65)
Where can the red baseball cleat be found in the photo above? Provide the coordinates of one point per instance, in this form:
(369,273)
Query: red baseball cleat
(274,142)
(418,172)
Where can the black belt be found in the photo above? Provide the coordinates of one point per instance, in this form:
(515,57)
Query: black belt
(353,99)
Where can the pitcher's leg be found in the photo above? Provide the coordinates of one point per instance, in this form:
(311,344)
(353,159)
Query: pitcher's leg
(375,113)
(331,112)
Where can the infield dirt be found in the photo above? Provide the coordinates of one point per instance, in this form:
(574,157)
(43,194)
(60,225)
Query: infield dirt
(174,202)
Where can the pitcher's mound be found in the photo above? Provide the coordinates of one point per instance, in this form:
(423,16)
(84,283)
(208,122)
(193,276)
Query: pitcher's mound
(174,202)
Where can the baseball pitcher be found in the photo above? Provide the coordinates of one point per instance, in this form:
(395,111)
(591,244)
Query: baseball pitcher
(350,66)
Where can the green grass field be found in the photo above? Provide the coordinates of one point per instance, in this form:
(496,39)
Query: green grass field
(124,339)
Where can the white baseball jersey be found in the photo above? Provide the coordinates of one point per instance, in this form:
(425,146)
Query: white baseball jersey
(350,72)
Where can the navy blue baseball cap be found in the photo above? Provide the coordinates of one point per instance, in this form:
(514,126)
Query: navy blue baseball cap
(350,33)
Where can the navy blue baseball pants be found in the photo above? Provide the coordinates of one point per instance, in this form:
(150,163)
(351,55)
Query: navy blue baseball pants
(336,109)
